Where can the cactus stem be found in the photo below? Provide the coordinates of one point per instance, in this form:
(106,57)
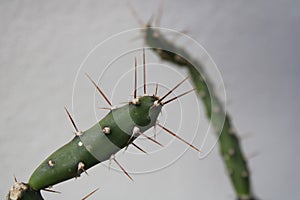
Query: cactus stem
(226,157)
(228,138)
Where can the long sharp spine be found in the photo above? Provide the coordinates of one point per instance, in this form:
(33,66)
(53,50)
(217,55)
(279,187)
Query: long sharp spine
(135,79)
(99,90)
(144,72)
(120,166)
(170,100)
(176,86)
(77,132)
(181,139)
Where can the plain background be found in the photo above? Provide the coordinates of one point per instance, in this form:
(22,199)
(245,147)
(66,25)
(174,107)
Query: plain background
(255,45)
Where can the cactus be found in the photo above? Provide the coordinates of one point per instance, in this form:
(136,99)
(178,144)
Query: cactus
(118,129)
(229,142)
(96,144)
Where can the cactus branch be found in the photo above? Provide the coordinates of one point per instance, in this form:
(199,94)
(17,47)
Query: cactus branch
(229,143)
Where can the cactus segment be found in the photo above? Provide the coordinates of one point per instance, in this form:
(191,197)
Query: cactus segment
(229,143)
(62,165)
(96,145)
(121,122)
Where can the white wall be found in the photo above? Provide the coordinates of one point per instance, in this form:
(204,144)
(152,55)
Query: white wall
(254,43)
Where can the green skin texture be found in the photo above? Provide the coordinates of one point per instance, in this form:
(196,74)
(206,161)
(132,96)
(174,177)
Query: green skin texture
(97,146)
(228,141)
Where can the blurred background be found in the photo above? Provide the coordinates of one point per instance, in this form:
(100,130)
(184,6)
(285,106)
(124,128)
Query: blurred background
(255,45)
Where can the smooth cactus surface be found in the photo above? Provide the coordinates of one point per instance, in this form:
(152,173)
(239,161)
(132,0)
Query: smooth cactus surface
(62,165)
(228,141)
(95,145)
